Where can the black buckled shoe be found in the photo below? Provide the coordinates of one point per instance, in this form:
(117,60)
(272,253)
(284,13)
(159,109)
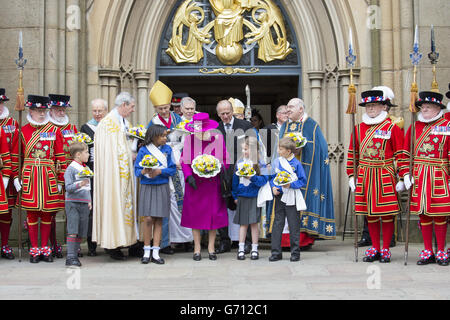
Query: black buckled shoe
(371,255)
(7,253)
(385,256)
(241,255)
(426,257)
(35,255)
(275,257)
(47,258)
(295,258)
(145,260)
(442,258)
(254,255)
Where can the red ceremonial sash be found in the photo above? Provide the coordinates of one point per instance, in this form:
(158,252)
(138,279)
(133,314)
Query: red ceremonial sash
(167,124)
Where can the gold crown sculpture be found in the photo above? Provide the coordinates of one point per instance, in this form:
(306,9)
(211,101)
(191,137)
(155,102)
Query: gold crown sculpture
(160,94)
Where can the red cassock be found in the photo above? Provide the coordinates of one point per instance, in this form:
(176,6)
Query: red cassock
(378,151)
(43,167)
(5,170)
(11,128)
(68,132)
(430,192)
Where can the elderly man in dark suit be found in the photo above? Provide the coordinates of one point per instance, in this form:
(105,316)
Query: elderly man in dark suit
(233,130)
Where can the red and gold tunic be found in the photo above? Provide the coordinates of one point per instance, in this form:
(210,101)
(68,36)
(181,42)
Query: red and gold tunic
(11,128)
(430,192)
(68,131)
(378,147)
(5,170)
(43,167)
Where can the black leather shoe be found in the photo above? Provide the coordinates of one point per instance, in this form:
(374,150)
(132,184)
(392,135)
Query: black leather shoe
(275,257)
(422,262)
(167,250)
(92,253)
(443,262)
(197,257)
(35,259)
(241,255)
(158,261)
(47,258)
(145,260)
(364,243)
(212,256)
(223,247)
(376,257)
(254,255)
(385,260)
(295,258)
(8,256)
(73,262)
(306,248)
(116,254)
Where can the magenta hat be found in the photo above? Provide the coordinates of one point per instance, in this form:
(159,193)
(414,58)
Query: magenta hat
(201,123)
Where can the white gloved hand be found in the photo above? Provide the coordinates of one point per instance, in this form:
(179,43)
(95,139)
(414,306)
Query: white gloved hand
(408,182)
(400,186)
(60,187)
(17,184)
(134,146)
(351,184)
(5,182)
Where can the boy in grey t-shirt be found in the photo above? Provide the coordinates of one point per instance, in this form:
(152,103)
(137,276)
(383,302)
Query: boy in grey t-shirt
(78,201)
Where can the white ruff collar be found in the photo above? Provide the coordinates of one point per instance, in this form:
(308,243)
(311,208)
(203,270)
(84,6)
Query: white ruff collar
(4,114)
(58,123)
(377,120)
(47,119)
(422,119)
(305,117)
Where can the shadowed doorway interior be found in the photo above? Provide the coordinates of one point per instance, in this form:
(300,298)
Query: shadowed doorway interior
(267,92)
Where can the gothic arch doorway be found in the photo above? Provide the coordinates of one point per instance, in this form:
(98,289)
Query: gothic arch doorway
(273,77)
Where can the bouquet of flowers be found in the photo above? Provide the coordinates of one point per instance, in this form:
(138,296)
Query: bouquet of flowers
(182,126)
(206,166)
(283,178)
(298,138)
(246,171)
(85,173)
(149,161)
(138,132)
(82,137)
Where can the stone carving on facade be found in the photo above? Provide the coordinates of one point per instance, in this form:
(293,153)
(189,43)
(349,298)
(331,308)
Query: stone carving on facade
(266,25)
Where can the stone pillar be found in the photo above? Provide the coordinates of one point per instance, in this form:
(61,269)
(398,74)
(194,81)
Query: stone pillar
(142,79)
(110,84)
(316,78)
(72,57)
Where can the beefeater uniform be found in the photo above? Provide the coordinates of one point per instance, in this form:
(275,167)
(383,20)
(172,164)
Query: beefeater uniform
(10,128)
(43,170)
(68,132)
(430,196)
(378,146)
(5,172)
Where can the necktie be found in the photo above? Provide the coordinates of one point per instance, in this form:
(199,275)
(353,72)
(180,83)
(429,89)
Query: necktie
(228,127)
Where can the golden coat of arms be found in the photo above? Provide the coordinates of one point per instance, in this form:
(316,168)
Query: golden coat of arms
(224,35)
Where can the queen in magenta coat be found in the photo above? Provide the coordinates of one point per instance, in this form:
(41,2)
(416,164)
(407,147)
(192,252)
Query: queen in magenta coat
(203,205)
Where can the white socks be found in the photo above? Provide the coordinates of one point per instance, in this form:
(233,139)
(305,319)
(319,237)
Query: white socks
(241,246)
(255,247)
(147,251)
(155,253)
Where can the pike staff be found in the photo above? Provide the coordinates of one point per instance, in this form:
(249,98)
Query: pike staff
(415,56)
(19,107)
(351,110)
